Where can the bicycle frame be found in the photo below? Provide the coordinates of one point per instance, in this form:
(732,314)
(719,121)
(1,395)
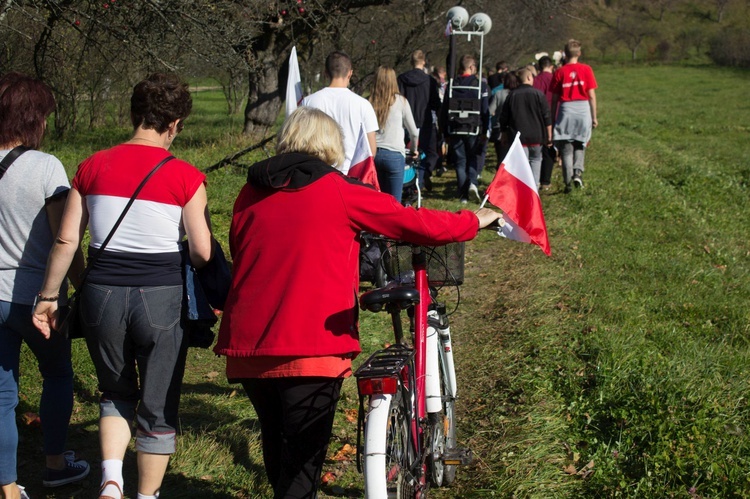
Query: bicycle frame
(417,383)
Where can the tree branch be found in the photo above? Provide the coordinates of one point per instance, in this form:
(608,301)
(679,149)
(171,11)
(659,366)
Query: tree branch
(232,157)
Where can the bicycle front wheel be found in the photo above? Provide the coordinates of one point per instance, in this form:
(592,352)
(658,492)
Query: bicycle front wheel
(443,434)
(388,451)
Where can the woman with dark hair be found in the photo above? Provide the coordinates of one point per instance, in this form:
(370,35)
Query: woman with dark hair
(33,190)
(289,329)
(394,115)
(131,302)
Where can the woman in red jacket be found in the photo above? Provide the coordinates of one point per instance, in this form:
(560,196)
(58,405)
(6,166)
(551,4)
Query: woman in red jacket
(289,329)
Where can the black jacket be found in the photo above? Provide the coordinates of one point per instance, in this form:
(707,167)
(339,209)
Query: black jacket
(526,110)
(421,90)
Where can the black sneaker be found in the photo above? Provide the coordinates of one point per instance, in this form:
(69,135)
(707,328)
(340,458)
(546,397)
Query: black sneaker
(578,181)
(74,471)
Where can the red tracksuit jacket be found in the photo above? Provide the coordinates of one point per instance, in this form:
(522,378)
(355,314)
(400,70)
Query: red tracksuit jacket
(294,241)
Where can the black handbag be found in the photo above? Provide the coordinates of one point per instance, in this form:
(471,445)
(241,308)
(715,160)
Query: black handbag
(69,318)
(205,290)
(216,278)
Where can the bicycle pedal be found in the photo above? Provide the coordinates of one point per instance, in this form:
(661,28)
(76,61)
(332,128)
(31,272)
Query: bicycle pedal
(457,456)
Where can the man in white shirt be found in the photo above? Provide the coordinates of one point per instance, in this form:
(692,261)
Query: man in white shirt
(348,109)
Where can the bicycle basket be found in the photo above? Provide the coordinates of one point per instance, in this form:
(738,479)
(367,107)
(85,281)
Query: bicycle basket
(445,264)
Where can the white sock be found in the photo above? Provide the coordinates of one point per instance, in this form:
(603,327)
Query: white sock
(144,496)
(112,472)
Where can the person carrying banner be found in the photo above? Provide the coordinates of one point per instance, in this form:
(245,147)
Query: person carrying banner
(465,119)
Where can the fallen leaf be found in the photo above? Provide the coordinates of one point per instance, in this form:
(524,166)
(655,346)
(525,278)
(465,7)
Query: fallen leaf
(352,415)
(233,394)
(32,419)
(212,374)
(345,453)
(207,478)
(570,469)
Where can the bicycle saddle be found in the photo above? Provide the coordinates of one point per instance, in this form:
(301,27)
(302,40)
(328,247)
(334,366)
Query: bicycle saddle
(399,296)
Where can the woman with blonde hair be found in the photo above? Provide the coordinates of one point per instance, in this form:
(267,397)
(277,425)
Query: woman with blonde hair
(394,114)
(289,329)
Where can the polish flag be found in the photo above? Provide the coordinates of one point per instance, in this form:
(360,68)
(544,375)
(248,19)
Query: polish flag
(514,191)
(293,84)
(363,165)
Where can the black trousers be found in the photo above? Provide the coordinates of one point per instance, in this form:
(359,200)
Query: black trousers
(428,136)
(548,163)
(296,421)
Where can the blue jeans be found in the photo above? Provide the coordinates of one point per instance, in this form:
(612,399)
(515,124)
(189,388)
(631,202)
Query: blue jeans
(390,167)
(136,341)
(56,404)
(465,157)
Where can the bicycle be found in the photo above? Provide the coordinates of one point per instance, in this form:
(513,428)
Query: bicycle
(409,428)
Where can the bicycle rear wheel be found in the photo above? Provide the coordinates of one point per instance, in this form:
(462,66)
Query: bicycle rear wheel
(388,450)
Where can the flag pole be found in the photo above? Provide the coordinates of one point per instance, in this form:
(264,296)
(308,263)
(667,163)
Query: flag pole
(481,205)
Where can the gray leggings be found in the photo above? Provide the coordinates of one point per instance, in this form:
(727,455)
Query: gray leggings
(572,153)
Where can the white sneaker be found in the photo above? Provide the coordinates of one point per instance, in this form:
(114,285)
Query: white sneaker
(23,493)
(474,191)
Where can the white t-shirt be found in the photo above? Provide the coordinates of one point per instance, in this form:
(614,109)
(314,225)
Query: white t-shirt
(350,111)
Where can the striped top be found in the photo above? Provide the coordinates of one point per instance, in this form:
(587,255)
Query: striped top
(146,248)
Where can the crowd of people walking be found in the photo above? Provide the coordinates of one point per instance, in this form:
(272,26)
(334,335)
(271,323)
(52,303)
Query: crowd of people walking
(289,329)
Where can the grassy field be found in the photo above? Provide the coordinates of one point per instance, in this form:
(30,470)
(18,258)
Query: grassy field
(619,367)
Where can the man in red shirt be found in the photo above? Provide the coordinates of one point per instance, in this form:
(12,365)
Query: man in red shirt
(574,104)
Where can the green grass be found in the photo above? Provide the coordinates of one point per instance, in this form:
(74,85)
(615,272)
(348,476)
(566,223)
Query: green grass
(616,368)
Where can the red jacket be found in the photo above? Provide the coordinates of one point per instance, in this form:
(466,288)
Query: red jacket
(294,241)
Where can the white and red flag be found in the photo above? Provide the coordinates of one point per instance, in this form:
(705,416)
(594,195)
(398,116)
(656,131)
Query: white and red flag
(514,191)
(293,84)
(363,164)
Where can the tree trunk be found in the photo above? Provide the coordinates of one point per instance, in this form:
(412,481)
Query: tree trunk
(264,97)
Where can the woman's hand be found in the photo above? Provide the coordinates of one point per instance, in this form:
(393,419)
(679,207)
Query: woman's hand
(487,216)
(45,316)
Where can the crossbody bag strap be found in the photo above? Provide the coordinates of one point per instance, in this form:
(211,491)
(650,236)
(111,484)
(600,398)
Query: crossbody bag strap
(11,157)
(125,210)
